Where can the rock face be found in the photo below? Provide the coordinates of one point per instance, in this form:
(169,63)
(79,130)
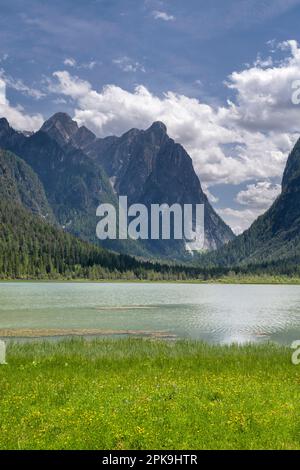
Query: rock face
(150,168)
(80,171)
(275,236)
(64,130)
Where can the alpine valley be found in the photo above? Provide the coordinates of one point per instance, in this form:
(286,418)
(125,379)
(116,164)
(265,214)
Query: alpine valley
(52,181)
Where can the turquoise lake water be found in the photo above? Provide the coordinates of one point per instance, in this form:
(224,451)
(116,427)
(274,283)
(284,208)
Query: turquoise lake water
(214,313)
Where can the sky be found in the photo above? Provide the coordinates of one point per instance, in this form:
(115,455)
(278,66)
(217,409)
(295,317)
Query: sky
(219,74)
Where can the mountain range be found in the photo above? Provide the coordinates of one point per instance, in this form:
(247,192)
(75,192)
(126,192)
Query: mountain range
(76,171)
(34,246)
(63,172)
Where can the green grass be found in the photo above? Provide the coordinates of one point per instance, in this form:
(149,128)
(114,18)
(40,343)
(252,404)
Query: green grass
(228,279)
(141,394)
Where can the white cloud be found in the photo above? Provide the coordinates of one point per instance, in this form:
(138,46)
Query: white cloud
(71,62)
(264,94)
(128,65)
(260,195)
(16,115)
(20,86)
(229,144)
(258,198)
(263,63)
(162,15)
(239,220)
(247,139)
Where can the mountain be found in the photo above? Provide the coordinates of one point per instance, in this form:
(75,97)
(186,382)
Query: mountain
(19,183)
(274,236)
(74,184)
(32,245)
(65,130)
(150,168)
(79,171)
(31,248)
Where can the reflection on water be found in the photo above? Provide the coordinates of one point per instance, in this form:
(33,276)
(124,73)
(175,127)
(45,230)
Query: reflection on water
(214,313)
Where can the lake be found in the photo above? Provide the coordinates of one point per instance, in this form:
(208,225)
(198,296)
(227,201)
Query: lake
(215,313)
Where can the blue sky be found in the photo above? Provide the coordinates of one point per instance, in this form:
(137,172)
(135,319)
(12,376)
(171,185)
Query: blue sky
(117,64)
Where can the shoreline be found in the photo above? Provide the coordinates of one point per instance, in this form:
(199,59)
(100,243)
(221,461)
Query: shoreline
(259,280)
(37,333)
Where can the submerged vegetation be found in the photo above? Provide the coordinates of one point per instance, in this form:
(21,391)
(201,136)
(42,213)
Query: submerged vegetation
(142,394)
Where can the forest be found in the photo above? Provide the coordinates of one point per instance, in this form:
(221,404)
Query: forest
(31,248)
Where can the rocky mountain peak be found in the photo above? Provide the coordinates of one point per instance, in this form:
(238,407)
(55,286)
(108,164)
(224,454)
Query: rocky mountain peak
(79,170)
(158,127)
(4,123)
(6,133)
(4,126)
(60,118)
(61,127)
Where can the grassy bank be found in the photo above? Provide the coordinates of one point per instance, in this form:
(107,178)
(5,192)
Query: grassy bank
(230,279)
(142,394)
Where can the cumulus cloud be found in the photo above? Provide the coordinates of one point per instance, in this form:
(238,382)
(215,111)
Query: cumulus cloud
(16,115)
(239,220)
(248,139)
(259,195)
(128,65)
(114,110)
(257,198)
(162,15)
(263,63)
(264,94)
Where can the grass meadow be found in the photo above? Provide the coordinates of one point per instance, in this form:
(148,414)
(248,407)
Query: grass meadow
(148,394)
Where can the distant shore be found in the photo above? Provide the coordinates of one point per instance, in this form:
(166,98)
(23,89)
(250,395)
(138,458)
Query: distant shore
(255,280)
